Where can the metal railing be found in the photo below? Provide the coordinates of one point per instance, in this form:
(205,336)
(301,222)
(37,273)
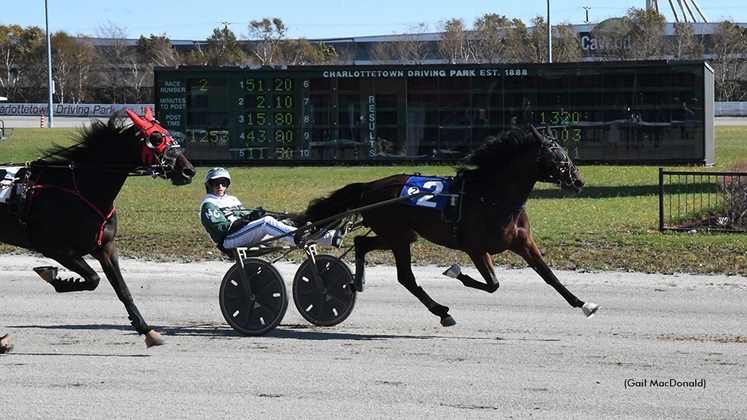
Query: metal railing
(5,132)
(730,109)
(693,201)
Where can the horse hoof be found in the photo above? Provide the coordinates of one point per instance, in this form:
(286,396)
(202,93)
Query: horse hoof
(48,273)
(153,338)
(453,271)
(5,346)
(589,309)
(448,321)
(359,284)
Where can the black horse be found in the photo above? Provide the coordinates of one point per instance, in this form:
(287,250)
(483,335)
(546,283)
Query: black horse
(63,203)
(483,214)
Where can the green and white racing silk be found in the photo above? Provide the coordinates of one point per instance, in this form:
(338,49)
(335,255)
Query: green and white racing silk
(218,214)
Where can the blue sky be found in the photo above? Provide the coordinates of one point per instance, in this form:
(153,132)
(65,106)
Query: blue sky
(314,19)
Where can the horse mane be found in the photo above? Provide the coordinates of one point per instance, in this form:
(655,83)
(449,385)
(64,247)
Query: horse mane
(89,139)
(499,150)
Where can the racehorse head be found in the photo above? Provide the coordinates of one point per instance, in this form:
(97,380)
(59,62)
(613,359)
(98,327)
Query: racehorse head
(512,152)
(554,164)
(161,154)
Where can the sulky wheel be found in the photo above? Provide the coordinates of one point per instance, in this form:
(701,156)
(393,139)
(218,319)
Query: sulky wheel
(259,308)
(324,294)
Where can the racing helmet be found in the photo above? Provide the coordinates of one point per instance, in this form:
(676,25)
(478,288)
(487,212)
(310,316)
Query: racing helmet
(216,173)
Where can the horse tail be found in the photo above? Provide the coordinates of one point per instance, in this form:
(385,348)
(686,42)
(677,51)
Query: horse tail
(342,200)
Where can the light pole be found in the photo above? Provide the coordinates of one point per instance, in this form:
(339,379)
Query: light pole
(549,34)
(49,66)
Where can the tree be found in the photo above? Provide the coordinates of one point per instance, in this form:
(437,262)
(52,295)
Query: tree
(537,45)
(72,62)
(685,45)
(566,45)
(34,76)
(453,46)
(301,51)
(344,55)
(490,32)
(729,47)
(158,51)
(499,40)
(10,54)
(222,49)
(115,56)
(382,53)
(324,53)
(648,35)
(268,35)
(83,57)
(407,48)
(226,48)
(639,35)
(20,62)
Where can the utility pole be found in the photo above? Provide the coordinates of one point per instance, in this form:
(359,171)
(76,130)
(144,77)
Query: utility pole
(50,83)
(549,34)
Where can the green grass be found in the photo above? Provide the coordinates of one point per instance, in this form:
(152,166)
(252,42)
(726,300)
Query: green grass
(611,225)
(29,143)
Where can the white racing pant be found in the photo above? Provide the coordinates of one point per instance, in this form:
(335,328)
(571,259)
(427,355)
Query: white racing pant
(266,228)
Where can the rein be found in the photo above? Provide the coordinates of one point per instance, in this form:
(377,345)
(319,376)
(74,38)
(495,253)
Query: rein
(139,171)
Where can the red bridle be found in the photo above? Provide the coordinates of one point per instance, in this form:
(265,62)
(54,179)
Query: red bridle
(159,154)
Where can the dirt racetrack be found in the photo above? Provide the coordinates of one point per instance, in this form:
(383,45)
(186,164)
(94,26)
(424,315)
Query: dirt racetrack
(665,347)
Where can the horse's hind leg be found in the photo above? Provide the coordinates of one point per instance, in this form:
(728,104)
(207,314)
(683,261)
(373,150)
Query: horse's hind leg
(484,265)
(5,345)
(108,257)
(76,264)
(405,276)
(363,245)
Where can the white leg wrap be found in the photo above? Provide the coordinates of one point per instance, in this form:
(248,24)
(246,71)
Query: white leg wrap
(590,309)
(453,271)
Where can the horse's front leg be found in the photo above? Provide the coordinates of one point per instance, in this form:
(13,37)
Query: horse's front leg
(528,250)
(107,255)
(484,265)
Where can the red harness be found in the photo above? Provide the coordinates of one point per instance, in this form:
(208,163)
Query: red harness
(74,191)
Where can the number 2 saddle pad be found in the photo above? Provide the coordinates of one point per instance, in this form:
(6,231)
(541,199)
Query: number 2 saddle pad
(438,186)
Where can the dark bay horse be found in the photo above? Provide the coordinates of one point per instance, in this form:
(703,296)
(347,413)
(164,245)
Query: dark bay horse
(63,206)
(486,216)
